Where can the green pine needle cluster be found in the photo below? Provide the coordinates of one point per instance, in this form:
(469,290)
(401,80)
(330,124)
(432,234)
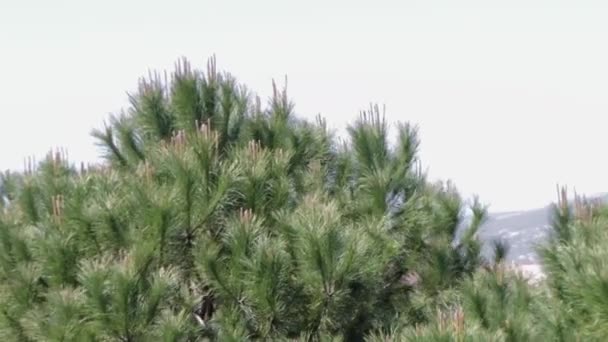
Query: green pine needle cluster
(215,218)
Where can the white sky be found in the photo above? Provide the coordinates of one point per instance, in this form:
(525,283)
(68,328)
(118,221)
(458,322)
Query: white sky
(511,97)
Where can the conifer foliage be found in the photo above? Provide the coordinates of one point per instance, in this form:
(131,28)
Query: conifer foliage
(213,217)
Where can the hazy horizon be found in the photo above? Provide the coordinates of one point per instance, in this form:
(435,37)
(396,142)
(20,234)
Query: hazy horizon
(509,96)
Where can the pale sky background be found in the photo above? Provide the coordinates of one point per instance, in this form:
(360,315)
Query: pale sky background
(511,96)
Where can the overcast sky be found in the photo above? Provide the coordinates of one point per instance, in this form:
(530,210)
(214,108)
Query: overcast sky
(511,98)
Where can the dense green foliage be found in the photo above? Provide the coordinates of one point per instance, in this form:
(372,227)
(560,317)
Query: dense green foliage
(215,218)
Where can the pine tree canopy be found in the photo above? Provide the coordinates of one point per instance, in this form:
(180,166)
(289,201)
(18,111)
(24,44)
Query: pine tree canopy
(215,218)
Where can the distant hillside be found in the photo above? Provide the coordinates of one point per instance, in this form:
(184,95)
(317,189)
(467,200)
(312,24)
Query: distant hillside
(522,230)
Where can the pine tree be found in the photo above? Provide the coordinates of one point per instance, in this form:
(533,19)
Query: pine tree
(213,217)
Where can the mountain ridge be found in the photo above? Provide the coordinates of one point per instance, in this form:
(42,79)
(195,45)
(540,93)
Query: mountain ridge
(522,230)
